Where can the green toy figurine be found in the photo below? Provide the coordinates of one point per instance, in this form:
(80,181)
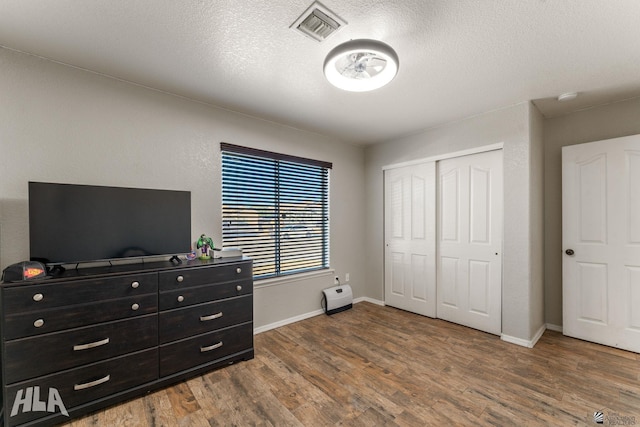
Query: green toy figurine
(204,244)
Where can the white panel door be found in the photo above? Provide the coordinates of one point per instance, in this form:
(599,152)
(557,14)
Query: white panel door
(601,242)
(469,261)
(410,238)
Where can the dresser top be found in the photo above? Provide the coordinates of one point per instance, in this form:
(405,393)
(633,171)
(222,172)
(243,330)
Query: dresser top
(119,269)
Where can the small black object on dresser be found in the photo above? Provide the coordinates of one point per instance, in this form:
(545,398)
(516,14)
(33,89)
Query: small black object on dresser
(90,338)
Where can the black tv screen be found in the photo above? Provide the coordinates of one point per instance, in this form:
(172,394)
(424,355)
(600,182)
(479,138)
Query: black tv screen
(71,223)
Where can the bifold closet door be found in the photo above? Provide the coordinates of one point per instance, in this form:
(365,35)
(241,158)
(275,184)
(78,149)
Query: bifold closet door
(601,242)
(410,238)
(469,262)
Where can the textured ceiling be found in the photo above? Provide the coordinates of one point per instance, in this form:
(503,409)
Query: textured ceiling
(457,58)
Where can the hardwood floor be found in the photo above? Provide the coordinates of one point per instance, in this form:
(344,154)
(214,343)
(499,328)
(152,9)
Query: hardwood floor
(379,366)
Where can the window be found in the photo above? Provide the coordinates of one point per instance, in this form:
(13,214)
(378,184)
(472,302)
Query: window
(275,208)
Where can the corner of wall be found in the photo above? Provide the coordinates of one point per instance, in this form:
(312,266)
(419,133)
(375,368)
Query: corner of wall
(536,229)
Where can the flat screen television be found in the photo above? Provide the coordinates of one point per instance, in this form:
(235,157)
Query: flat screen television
(71,223)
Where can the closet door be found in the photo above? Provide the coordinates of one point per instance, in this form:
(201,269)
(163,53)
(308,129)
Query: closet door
(601,242)
(410,238)
(469,262)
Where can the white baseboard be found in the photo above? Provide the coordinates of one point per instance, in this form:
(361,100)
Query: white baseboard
(288,321)
(367,299)
(524,343)
(304,316)
(503,337)
(553,327)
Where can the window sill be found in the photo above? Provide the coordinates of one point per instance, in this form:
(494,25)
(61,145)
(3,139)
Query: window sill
(276,281)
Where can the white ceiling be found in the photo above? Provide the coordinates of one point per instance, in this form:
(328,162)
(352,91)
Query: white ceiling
(458,58)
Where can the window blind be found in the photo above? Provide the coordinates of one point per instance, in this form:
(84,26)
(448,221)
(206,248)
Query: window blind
(276,208)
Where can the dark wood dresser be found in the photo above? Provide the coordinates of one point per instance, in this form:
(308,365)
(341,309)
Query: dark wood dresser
(89,338)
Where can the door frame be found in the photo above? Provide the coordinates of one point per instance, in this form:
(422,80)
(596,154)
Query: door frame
(476,150)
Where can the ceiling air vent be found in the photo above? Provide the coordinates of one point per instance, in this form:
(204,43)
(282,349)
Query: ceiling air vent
(318,22)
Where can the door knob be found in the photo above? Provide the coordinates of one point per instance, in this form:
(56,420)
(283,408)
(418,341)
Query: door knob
(569,252)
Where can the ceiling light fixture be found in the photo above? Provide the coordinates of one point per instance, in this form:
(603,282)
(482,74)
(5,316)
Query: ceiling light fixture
(361,65)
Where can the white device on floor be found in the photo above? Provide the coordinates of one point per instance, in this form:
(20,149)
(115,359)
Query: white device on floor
(338,298)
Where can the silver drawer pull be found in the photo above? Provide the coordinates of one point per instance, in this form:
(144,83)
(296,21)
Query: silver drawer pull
(134,307)
(135,285)
(238,270)
(238,288)
(180,298)
(180,279)
(90,345)
(211,317)
(211,347)
(38,323)
(38,297)
(92,383)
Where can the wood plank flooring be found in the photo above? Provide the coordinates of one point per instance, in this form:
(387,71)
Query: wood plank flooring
(379,366)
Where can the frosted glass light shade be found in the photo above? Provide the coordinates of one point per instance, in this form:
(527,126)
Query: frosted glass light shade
(361,65)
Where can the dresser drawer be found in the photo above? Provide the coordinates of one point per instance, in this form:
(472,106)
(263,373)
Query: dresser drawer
(53,295)
(198,319)
(183,278)
(40,355)
(199,294)
(42,322)
(205,348)
(90,382)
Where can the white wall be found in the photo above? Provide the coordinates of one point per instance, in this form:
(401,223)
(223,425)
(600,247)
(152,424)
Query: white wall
(61,124)
(595,124)
(522,297)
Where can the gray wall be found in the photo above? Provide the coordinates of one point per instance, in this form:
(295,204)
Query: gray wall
(522,296)
(62,124)
(536,205)
(605,122)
